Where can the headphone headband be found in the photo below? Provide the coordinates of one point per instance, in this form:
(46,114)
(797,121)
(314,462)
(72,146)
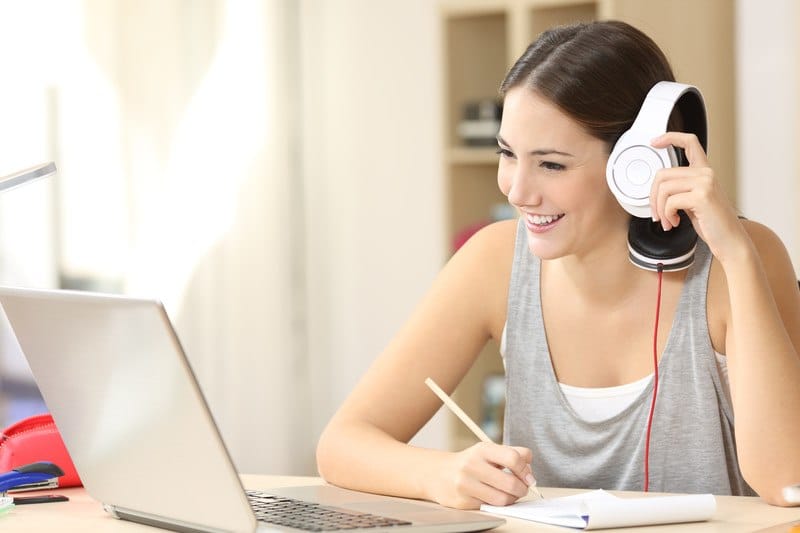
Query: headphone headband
(662,98)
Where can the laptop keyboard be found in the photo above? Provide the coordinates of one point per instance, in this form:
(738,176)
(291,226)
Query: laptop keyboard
(310,516)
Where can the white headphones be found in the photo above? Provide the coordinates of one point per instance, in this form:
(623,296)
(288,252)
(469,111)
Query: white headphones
(632,167)
(633,163)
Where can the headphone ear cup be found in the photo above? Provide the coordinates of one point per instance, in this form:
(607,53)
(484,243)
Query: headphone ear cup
(650,246)
(631,170)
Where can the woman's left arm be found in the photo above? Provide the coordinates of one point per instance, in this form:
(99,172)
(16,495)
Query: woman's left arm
(763,321)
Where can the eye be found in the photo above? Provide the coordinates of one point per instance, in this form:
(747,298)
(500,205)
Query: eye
(550,165)
(503,152)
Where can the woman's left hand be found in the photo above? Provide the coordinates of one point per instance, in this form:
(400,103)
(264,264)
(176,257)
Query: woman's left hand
(694,190)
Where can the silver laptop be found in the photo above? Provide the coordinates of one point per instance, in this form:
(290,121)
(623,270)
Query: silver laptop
(118,384)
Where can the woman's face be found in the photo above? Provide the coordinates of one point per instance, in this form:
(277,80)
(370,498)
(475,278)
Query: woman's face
(553,172)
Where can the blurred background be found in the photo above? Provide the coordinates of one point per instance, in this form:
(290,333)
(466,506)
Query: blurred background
(288,176)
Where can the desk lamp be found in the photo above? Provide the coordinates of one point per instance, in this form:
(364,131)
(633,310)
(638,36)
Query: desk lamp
(29,174)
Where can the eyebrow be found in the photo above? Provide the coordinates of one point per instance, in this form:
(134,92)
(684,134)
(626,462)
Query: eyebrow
(540,151)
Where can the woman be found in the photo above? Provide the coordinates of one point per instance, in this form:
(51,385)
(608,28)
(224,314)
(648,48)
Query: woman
(574,316)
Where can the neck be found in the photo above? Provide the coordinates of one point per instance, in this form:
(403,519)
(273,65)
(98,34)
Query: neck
(604,276)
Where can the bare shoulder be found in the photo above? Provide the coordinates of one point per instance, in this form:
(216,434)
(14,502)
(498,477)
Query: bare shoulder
(769,246)
(488,255)
(772,253)
(779,271)
(778,266)
(495,237)
(490,249)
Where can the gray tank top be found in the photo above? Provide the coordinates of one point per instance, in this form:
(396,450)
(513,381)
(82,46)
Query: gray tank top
(692,442)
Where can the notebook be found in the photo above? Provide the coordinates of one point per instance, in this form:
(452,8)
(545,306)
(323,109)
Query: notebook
(599,509)
(134,420)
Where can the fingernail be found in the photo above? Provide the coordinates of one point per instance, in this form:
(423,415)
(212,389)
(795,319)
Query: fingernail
(530,480)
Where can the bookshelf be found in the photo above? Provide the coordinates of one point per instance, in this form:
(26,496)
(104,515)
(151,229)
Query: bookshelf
(482,38)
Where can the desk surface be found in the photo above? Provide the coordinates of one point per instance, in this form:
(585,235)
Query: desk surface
(84,514)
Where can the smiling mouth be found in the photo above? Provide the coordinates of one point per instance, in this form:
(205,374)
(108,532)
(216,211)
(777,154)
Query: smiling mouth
(543,220)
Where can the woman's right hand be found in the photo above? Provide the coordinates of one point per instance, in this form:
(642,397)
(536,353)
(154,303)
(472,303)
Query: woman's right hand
(483,473)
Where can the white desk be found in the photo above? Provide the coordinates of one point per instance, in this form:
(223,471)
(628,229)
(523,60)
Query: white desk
(83,514)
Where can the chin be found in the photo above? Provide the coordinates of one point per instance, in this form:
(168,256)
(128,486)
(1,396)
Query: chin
(545,250)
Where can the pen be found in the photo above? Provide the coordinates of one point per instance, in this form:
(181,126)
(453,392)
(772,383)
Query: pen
(453,406)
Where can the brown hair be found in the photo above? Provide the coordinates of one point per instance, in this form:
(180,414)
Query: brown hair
(598,73)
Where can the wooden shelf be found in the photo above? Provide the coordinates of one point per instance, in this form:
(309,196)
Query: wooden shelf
(472,156)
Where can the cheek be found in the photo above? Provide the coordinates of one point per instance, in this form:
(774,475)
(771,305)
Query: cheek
(503,180)
(503,183)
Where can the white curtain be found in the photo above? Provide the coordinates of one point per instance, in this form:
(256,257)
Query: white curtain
(270,169)
(27,254)
(195,197)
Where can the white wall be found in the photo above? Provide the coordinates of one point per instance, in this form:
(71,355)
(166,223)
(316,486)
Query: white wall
(372,167)
(768,85)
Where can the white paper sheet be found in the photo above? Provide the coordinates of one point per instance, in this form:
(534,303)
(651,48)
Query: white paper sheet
(6,504)
(599,509)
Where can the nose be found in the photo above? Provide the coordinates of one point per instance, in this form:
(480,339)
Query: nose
(520,186)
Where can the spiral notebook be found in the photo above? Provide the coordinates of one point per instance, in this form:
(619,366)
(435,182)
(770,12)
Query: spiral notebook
(599,509)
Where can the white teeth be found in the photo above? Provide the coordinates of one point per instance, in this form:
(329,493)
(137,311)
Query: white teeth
(541,220)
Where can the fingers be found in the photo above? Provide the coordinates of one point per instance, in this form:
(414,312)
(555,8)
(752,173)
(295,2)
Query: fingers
(679,188)
(688,142)
(525,473)
(505,471)
(495,486)
(670,188)
(486,473)
(695,191)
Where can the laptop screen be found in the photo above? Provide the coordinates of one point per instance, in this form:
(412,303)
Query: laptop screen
(119,387)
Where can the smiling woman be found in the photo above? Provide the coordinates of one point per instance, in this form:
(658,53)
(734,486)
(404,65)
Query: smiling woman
(571,312)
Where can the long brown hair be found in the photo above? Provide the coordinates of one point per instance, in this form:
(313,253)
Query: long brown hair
(598,73)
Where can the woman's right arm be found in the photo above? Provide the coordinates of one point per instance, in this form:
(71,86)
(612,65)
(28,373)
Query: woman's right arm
(364,447)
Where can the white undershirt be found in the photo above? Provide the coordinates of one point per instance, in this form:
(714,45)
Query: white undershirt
(601,403)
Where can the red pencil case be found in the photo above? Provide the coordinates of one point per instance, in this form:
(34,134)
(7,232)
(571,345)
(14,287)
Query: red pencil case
(35,439)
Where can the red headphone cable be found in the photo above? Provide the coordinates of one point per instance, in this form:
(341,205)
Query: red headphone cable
(655,383)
